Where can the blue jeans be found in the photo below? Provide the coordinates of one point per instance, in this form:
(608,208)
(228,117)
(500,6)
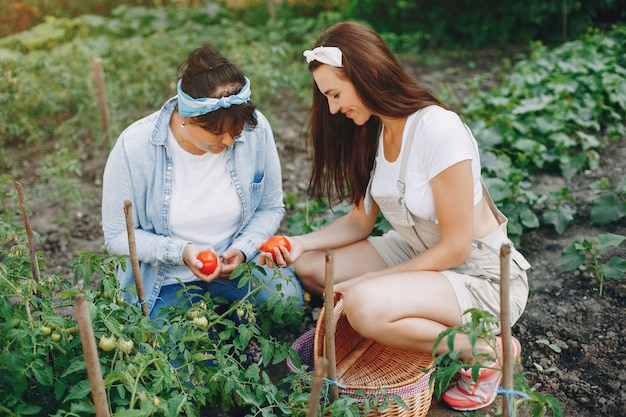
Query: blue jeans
(289,287)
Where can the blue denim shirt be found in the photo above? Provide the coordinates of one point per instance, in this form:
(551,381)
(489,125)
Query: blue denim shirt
(140,169)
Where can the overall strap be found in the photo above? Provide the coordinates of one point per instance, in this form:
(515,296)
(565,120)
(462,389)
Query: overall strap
(406,151)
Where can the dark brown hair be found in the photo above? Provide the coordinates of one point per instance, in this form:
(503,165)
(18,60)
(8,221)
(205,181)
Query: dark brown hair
(343,153)
(205,73)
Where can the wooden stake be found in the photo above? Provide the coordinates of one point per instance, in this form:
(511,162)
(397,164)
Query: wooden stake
(321,367)
(329,326)
(505,325)
(90,351)
(34,266)
(102,99)
(130,229)
(271,10)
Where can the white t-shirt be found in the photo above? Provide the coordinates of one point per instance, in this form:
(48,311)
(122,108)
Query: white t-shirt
(205,207)
(441,140)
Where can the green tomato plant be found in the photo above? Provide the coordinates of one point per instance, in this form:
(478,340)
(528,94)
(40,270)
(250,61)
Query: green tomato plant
(195,362)
(482,325)
(610,206)
(590,253)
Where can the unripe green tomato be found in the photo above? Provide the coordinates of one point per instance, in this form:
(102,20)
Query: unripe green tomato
(45,330)
(201,321)
(240,312)
(125,345)
(107,343)
(55,337)
(69,330)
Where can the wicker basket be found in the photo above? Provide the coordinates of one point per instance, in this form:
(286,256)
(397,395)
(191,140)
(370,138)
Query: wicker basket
(367,366)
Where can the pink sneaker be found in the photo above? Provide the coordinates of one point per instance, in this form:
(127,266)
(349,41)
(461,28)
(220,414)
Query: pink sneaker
(469,395)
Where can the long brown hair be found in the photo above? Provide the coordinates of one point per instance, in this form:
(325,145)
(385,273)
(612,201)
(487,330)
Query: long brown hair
(343,153)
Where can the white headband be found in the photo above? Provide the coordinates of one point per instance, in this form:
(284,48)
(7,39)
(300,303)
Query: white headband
(330,55)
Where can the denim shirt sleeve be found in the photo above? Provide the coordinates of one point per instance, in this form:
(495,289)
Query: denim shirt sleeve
(136,171)
(258,179)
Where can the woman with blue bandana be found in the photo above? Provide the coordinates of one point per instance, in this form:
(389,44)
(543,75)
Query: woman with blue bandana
(386,145)
(202,172)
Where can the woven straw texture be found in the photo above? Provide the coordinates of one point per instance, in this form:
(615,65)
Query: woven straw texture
(364,365)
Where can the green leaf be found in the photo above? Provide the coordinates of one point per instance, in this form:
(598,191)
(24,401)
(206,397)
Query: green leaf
(246,396)
(607,209)
(78,365)
(400,401)
(608,240)
(27,409)
(533,104)
(571,258)
(615,269)
(528,217)
(81,390)
(498,189)
(588,141)
(560,217)
(44,374)
(124,412)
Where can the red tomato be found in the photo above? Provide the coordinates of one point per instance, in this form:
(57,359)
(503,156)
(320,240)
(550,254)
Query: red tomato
(275,242)
(209,259)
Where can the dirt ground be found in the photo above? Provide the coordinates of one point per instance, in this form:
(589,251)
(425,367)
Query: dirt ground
(589,374)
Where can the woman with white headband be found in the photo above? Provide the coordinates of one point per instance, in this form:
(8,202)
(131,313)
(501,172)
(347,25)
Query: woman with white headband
(202,173)
(384,144)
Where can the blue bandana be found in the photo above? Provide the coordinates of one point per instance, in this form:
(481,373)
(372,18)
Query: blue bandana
(192,107)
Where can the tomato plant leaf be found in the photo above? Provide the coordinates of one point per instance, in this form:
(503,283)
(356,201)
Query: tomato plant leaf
(81,390)
(78,365)
(43,373)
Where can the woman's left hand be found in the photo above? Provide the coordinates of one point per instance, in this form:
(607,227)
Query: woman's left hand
(231,259)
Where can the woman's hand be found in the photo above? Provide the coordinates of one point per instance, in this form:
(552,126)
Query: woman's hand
(281,257)
(231,259)
(190,257)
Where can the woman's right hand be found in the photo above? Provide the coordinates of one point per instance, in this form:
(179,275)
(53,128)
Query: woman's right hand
(190,257)
(281,256)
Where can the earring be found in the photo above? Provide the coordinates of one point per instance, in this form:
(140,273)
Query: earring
(182,124)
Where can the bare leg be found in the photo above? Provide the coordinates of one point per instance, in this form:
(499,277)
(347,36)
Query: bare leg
(349,261)
(408,311)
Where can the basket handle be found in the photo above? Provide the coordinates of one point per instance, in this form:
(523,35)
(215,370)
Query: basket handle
(329,325)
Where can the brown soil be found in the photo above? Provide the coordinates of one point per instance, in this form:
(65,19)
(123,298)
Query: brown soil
(589,374)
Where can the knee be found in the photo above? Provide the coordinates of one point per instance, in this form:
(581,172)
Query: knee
(361,314)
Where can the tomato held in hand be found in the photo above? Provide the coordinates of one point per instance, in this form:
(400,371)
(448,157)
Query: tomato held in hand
(275,242)
(209,261)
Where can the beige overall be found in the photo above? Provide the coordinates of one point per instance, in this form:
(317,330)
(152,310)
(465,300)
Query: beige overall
(475,282)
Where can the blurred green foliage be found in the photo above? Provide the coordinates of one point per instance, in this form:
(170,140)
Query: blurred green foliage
(553,113)
(440,23)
